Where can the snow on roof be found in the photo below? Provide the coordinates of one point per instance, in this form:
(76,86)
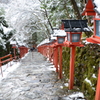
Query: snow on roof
(12,42)
(59,33)
(97,8)
(43,42)
(52,37)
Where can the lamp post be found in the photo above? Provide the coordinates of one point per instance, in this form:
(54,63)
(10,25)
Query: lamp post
(97,96)
(13,43)
(74,29)
(95,38)
(73,40)
(60,41)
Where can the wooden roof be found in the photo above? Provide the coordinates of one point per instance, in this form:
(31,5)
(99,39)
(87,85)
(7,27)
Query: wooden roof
(89,9)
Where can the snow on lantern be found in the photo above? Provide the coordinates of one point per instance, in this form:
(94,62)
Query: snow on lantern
(60,34)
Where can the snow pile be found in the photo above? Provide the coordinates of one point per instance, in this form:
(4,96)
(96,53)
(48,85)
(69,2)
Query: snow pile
(75,96)
(8,69)
(88,81)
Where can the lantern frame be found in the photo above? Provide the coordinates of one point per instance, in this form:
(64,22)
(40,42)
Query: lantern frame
(74,40)
(96,27)
(95,38)
(60,40)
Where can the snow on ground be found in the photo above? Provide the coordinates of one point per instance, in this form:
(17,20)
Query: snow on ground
(75,96)
(8,69)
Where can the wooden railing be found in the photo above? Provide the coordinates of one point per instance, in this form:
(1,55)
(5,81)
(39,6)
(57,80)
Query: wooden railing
(5,59)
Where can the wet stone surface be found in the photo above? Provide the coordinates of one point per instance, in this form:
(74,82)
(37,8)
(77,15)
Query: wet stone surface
(32,80)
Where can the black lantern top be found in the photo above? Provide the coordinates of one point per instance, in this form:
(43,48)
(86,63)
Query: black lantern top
(75,25)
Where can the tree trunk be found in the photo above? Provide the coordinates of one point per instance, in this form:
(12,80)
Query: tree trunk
(75,7)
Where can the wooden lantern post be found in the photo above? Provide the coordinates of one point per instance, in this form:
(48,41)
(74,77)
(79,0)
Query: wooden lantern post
(74,29)
(14,50)
(95,38)
(60,43)
(60,39)
(73,42)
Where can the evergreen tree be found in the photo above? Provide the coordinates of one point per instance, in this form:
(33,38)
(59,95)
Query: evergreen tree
(4,36)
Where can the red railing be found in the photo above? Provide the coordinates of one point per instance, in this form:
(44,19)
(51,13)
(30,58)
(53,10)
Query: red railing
(5,59)
(8,58)
(23,50)
(51,52)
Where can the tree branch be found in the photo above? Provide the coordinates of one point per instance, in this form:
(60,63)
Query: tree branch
(75,7)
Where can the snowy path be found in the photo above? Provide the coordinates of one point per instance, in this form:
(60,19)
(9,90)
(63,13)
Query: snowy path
(34,79)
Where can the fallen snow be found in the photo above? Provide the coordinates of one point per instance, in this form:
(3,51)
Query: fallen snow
(8,69)
(75,96)
(94,76)
(88,81)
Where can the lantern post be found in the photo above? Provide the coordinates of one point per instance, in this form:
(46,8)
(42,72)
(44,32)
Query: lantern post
(56,58)
(13,43)
(60,37)
(74,29)
(95,38)
(60,42)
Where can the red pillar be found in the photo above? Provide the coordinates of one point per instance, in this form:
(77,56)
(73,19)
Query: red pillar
(21,52)
(56,58)
(97,96)
(14,53)
(60,63)
(50,52)
(72,61)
